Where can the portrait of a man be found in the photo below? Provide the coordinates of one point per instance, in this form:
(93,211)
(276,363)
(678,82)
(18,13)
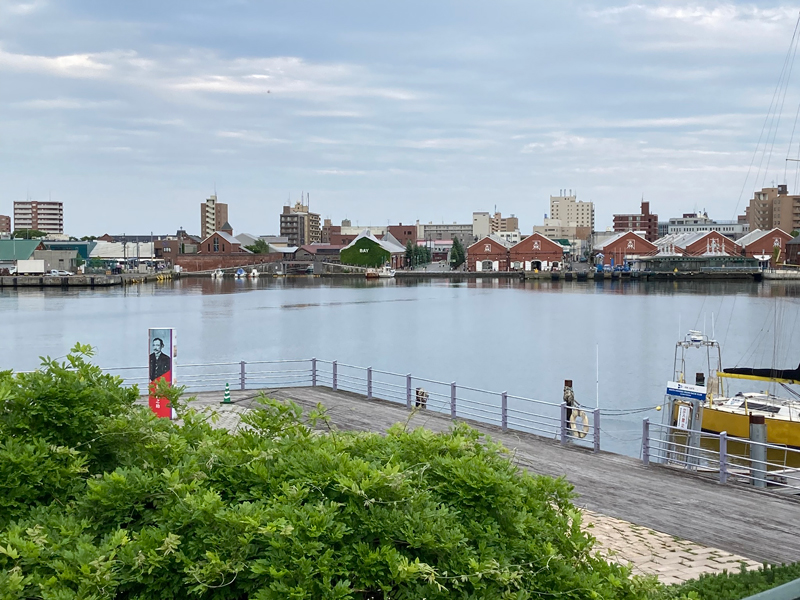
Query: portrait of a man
(162,367)
(160,363)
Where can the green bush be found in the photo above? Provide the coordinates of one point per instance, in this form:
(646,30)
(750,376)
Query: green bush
(131,506)
(734,586)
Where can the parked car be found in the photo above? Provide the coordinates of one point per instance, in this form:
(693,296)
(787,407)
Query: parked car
(59,273)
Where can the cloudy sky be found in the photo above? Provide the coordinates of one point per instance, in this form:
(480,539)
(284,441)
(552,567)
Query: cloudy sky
(131,113)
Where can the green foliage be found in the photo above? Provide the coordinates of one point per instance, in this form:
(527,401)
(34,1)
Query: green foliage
(417,255)
(365,253)
(458,255)
(132,506)
(795,233)
(734,586)
(259,247)
(28,234)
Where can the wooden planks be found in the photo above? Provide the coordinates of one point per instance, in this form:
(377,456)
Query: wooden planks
(755,524)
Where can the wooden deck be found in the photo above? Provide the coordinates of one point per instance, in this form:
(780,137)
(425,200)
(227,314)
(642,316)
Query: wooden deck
(759,525)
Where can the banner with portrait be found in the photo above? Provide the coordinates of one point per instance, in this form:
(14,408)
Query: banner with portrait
(162,351)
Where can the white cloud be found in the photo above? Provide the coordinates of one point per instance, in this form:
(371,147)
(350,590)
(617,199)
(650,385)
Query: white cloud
(677,26)
(67,104)
(70,65)
(447,144)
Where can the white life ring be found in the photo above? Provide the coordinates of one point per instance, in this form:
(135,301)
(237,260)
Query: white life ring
(577,429)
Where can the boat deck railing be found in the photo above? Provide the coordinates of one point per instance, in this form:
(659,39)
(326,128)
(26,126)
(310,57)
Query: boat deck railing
(732,459)
(507,411)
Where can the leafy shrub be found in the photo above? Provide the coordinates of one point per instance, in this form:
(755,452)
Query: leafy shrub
(121,504)
(734,586)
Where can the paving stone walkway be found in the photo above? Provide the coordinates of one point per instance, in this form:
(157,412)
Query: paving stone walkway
(671,559)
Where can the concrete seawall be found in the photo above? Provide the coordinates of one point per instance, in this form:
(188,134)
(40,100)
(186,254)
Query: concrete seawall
(12,281)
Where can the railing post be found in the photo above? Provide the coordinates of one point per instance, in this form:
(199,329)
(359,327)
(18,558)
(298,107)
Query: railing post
(408,391)
(313,372)
(242,376)
(563,422)
(504,411)
(646,442)
(723,457)
(335,376)
(453,400)
(596,415)
(369,383)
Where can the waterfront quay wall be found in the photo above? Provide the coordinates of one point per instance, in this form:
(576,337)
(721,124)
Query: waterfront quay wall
(192,263)
(51,281)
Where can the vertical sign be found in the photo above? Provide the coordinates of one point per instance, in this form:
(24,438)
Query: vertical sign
(162,350)
(684,416)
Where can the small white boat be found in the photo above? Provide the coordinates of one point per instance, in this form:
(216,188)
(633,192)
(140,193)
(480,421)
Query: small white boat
(385,272)
(254,274)
(240,274)
(217,274)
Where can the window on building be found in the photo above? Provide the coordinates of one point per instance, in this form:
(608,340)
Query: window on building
(216,245)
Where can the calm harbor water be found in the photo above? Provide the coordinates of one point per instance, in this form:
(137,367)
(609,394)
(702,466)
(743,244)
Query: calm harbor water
(525,338)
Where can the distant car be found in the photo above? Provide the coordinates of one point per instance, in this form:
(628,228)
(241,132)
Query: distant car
(582,259)
(59,273)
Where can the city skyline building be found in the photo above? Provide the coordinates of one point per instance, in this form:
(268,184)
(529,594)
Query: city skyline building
(571,211)
(300,225)
(213,216)
(5,224)
(644,221)
(47,217)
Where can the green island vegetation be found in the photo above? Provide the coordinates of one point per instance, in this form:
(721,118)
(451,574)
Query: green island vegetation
(458,256)
(100,499)
(259,247)
(417,255)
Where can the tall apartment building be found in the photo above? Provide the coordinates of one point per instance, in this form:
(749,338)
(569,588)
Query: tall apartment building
(213,216)
(644,221)
(300,225)
(571,212)
(42,216)
(484,224)
(5,224)
(774,207)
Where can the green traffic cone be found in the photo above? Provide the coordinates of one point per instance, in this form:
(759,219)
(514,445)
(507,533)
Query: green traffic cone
(226,399)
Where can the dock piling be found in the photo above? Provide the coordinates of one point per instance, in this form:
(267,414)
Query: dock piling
(504,411)
(369,383)
(313,372)
(564,423)
(646,442)
(335,375)
(242,375)
(596,427)
(453,400)
(723,457)
(408,391)
(758,450)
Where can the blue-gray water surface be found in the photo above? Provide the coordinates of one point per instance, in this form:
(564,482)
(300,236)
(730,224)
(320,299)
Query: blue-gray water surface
(526,338)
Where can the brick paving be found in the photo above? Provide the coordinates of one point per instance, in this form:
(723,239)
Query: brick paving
(650,552)
(670,559)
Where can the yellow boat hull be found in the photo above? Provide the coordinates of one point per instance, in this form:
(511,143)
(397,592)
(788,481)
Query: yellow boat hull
(779,431)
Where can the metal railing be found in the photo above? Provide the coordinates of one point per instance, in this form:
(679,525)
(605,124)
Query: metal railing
(507,411)
(733,459)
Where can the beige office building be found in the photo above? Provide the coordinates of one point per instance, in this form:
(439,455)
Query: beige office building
(772,208)
(41,216)
(5,224)
(571,212)
(300,225)
(213,216)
